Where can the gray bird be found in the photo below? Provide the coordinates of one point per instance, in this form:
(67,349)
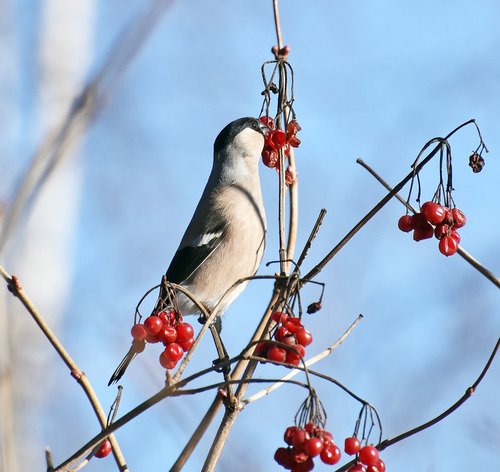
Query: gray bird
(224,242)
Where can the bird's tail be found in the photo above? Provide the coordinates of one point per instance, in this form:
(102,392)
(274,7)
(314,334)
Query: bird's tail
(122,366)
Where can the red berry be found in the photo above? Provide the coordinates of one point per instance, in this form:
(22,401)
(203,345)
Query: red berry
(330,455)
(352,445)
(261,349)
(405,223)
(368,455)
(167,335)
(293,127)
(139,332)
(290,432)
(454,234)
(104,449)
(305,466)
(186,345)
(448,246)
(299,439)
(270,158)
(448,219)
(280,317)
(184,332)
(304,337)
(277,354)
(282,457)
(167,317)
(459,219)
(278,137)
(419,220)
(153,324)
(282,333)
(310,428)
(298,456)
(433,212)
(326,437)
(313,446)
(173,352)
(165,362)
(293,141)
(286,149)
(292,356)
(357,468)
(423,232)
(378,467)
(152,338)
(284,51)
(293,325)
(441,230)
(268,121)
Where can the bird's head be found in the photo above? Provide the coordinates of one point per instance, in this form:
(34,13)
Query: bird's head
(240,144)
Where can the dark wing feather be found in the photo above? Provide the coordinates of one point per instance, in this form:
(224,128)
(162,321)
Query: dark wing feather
(189,258)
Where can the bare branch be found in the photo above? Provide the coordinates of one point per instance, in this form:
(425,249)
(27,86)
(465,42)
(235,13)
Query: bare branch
(14,285)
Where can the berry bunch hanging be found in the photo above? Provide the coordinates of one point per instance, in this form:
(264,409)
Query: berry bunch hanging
(277,139)
(440,217)
(438,221)
(283,128)
(166,327)
(367,455)
(289,331)
(307,439)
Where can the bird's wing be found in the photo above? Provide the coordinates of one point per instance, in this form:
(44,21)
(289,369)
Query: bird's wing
(188,258)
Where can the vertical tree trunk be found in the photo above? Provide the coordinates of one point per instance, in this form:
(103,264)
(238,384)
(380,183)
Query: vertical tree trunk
(40,251)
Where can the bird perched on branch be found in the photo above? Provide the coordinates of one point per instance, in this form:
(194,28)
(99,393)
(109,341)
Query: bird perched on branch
(224,242)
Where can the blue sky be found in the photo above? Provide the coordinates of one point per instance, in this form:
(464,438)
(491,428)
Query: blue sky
(374,80)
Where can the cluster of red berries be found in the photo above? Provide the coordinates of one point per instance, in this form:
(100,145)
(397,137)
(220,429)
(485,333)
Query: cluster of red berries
(168,328)
(278,139)
(435,220)
(304,444)
(368,459)
(289,330)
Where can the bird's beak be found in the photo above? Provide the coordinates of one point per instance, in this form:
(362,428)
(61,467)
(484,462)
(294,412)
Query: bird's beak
(264,129)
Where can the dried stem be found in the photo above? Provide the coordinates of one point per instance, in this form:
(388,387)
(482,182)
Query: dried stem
(233,410)
(461,251)
(17,290)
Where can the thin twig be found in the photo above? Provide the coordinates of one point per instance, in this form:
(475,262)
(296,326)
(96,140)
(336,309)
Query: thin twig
(277,23)
(312,236)
(463,253)
(17,290)
(468,393)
